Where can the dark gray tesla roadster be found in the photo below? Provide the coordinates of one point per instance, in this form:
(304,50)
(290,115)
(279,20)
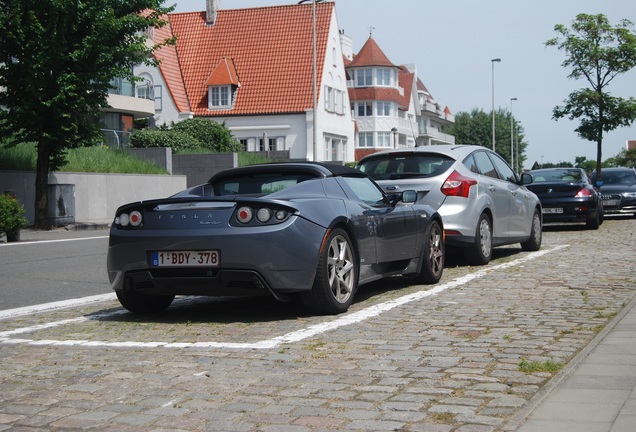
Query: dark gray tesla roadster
(304,229)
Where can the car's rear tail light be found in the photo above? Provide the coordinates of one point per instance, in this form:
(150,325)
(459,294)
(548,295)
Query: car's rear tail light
(583,193)
(135,218)
(132,219)
(247,215)
(457,185)
(263,214)
(281,215)
(244,214)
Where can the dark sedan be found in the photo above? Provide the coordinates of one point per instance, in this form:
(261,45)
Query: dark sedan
(618,190)
(567,195)
(287,229)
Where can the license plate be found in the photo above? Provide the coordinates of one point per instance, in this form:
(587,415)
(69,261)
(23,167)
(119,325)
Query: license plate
(610,203)
(552,210)
(206,258)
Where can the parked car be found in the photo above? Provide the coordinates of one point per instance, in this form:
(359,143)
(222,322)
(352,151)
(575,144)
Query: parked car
(282,229)
(482,201)
(618,190)
(567,195)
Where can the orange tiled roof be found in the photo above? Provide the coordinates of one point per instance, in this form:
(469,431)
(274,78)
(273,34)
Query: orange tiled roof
(170,69)
(405,80)
(375,94)
(370,55)
(271,48)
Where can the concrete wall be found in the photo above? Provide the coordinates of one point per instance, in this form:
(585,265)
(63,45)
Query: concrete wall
(97,196)
(199,168)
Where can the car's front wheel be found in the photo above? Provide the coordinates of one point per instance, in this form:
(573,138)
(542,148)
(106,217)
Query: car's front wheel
(480,252)
(141,303)
(336,276)
(433,255)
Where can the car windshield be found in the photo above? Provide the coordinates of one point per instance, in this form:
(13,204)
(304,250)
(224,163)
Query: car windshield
(402,165)
(557,175)
(258,184)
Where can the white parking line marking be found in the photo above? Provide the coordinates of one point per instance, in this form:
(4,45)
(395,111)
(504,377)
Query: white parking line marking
(49,307)
(26,242)
(292,337)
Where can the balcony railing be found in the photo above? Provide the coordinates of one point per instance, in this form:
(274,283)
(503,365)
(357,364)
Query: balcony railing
(123,87)
(116,139)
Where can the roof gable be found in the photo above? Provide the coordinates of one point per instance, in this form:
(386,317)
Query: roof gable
(224,74)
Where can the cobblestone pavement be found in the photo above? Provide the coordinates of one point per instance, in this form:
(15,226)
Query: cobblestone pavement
(466,358)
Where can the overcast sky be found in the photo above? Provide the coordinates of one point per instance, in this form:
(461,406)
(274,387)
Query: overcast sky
(452,43)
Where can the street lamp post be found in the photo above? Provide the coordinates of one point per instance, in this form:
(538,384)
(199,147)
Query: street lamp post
(512,137)
(315,85)
(493,61)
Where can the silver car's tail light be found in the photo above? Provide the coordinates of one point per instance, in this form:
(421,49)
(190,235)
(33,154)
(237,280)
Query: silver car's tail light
(244,214)
(458,185)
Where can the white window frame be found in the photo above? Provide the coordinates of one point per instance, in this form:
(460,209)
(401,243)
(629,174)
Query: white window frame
(366,107)
(364,77)
(384,139)
(383,109)
(365,139)
(219,97)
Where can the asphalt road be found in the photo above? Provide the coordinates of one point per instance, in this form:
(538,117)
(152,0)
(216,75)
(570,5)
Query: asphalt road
(52,266)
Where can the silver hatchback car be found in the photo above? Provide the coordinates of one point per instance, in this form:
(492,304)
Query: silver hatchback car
(482,201)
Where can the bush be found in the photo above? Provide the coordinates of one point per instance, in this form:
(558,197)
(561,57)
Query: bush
(212,135)
(11,214)
(177,140)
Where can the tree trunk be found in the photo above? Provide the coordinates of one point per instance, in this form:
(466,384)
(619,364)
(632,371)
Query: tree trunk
(41,221)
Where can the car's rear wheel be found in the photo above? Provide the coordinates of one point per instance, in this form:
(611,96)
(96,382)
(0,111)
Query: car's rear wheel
(536,234)
(432,256)
(143,303)
(336,276)
(595,221)
(480,252)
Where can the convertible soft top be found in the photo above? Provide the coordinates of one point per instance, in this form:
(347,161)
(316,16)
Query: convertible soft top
(311,169)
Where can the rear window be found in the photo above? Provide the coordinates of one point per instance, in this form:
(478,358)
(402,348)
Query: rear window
(258,184)
(557,176)
(399,165)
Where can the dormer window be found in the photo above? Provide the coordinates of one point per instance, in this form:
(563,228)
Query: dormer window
(220,97)
(223,85)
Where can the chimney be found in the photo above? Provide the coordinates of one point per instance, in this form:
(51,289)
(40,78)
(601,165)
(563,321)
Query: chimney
(212,7)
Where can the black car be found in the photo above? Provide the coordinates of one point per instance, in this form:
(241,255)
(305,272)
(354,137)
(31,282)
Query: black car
(618,190)
(286,230)
(567,195)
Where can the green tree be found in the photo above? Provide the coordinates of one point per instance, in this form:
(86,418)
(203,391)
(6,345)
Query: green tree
(626,158)
(476,128)
(57,61)
(596,52)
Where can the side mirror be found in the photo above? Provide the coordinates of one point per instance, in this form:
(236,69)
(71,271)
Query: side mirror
(409,196)
(526,178)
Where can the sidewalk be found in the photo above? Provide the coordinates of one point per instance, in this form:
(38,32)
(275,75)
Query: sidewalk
(596,392)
